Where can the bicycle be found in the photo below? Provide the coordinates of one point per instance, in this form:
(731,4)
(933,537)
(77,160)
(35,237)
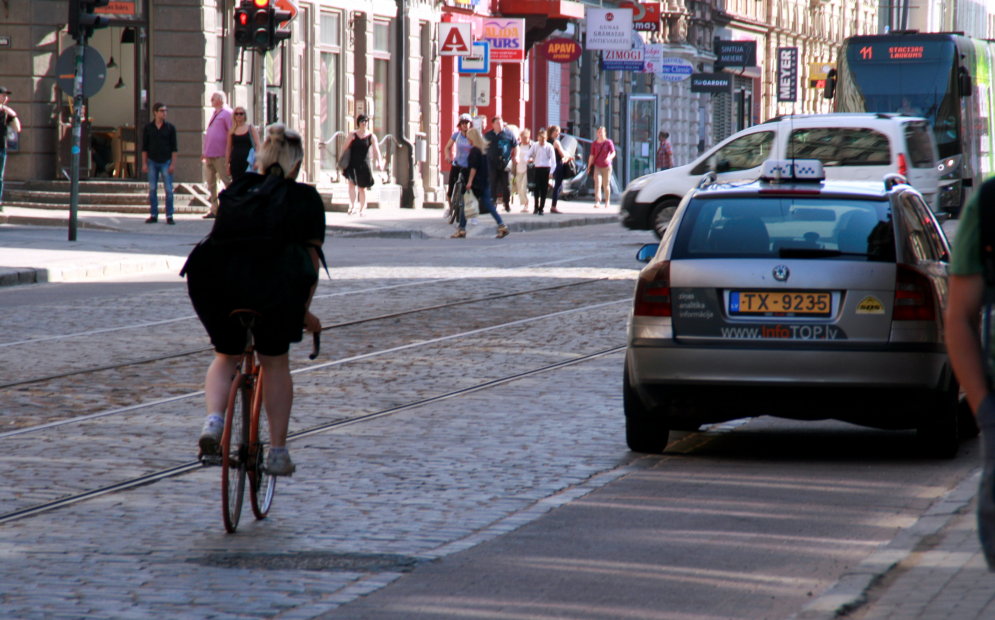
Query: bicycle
(244,441)
(456,201)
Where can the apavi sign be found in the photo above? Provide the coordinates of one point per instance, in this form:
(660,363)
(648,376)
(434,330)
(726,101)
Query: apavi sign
(560,49)
(507,39)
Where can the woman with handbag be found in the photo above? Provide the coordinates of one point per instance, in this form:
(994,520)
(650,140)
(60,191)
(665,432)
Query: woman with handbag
(600,165)
(477,184)
(243,144)
(357,171)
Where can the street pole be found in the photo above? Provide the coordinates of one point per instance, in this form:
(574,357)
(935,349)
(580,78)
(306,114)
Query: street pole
(77,131)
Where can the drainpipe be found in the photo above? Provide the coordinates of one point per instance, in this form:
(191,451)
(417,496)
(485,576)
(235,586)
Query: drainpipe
(405,152)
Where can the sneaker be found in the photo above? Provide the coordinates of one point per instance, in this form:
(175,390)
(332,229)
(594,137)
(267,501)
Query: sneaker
(502,232)
(170,221)
(152,220)
(278,463)
(210,435)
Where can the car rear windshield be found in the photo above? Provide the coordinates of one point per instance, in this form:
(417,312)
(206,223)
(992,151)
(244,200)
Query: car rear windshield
(786,227)
(841,146)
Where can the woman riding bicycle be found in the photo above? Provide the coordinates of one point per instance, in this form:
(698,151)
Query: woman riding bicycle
(304,216)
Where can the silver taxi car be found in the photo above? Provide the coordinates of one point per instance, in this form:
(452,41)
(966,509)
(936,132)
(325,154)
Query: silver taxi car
(794,297)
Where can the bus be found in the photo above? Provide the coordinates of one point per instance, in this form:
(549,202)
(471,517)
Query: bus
(943,77)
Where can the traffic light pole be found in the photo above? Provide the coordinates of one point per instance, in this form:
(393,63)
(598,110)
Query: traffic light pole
(77,130)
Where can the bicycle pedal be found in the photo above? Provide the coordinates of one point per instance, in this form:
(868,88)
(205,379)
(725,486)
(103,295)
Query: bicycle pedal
(210,459)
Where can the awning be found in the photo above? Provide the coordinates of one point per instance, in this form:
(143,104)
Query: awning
(553,9)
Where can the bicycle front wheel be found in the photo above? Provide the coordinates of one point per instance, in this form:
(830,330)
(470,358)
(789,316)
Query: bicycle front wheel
(262,486)
(235,450)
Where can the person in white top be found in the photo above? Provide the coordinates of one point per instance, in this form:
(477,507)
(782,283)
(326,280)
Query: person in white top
(521,182)
(543,157)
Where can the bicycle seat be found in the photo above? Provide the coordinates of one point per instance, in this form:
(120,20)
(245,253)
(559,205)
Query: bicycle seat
(246,316)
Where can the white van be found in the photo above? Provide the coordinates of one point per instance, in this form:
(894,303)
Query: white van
(852,147)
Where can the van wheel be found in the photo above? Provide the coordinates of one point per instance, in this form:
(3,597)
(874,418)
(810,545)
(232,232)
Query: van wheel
(938,433)
(645,431)
(662,213)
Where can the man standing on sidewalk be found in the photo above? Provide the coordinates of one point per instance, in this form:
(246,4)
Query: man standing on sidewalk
(158,155)
(216,149)
(8,123)
(501,150)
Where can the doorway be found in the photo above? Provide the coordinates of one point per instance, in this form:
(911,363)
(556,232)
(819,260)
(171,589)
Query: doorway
(640,137)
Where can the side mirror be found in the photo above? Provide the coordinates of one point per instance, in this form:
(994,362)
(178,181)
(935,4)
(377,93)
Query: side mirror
(829,91)
(647,252)
(966,83)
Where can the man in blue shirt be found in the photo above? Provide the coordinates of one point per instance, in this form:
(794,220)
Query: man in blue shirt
(502,146)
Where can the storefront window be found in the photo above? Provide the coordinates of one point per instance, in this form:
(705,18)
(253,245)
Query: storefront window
(329,106)
(381,76)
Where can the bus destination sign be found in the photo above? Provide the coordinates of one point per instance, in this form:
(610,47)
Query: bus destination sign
(895,52)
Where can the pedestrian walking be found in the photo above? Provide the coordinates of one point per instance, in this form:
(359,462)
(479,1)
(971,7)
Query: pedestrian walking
(553,135)
(358,172)
(522,155)
(543,159)
(457,150)
(9,124)
(214,152)
(501,151)
(159,148)
(243,144)
(477,182)
(971,284)
(664,152)
(599,163)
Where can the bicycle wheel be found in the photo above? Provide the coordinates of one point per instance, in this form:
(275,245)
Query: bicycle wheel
(262,486)
(234,450)
(456,202)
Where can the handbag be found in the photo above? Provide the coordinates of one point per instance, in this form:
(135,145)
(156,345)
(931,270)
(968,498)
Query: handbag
(471,208)
(570,168)
(251,158)
(344,159)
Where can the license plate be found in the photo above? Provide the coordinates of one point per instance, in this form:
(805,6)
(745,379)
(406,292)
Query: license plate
(764,303)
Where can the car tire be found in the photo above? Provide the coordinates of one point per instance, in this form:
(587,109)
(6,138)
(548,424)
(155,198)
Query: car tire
(645,431)
(938,433)
(661,215)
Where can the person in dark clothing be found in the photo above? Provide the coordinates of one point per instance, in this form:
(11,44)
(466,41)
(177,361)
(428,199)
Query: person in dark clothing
(159,159)
(502,146)
(9,124)
(242,140)
(358,172)
(477,182)
(553,135)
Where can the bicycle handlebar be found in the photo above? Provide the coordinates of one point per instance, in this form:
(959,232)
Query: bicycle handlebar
(315,345)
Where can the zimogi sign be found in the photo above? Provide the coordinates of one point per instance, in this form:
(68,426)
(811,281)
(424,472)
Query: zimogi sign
(622,60)
(787,74)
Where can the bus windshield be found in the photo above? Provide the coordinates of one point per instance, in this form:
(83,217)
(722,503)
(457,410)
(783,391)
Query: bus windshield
(917,78)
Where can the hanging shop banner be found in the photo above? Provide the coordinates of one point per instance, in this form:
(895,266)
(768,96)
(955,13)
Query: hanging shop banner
(645,15)
(735,54)
(455,39)
(674,69)
(609,29)
(560,49)
(622,60)
(507,39)
(787,74)
(652,57)
(714,83)
(123,8)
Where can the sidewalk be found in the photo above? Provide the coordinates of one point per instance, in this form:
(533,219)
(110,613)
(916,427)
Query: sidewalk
(34,244)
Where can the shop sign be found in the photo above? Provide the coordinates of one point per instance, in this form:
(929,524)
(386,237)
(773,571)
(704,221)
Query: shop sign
(787,74)
(714,83)
(652,57)
(117,7)
(455,39)
(560,49)
(622,60)
(674,69)
(645,15)
(507,39)
(735,54)
(609,29)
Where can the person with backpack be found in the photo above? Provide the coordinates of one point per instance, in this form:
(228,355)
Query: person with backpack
(971,291)
(263,254)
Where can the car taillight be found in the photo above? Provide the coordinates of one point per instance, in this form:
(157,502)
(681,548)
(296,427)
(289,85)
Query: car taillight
(653,291)
(913,296)
(903,165)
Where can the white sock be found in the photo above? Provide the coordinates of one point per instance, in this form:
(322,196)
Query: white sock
(216,416)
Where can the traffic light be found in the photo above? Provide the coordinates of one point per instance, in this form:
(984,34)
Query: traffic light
(262,25)
(243,24)
(279,34)
(82,21)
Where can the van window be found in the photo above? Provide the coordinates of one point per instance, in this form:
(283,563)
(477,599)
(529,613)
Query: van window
(920,145)
(750,151)
(841,146)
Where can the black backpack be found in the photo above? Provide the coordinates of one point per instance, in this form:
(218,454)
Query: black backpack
(249,260)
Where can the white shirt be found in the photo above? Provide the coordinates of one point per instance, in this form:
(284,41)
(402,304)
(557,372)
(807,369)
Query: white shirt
(543,155)
(524,152)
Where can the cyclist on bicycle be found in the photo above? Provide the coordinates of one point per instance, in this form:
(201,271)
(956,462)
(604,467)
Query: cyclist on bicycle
(281,154)
(458,157)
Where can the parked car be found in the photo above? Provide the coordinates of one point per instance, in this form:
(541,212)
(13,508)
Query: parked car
(794,297)
(856,147)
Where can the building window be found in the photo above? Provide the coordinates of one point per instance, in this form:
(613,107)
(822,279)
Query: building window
(330,89)
(381,78)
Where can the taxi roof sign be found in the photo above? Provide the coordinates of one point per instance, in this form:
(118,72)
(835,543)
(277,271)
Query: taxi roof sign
(776,170)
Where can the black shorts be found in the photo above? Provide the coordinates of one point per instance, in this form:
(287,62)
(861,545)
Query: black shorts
(271,335)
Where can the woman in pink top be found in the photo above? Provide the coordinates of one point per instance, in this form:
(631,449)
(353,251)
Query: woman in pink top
(600,165)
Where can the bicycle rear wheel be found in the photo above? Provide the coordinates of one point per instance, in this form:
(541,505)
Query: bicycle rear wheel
(262,486)
(235,450)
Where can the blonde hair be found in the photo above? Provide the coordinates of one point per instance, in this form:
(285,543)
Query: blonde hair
(284,148)
(476,138)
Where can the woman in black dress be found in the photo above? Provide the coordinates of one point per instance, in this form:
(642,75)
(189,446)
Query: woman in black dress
(358,172)
(242,138)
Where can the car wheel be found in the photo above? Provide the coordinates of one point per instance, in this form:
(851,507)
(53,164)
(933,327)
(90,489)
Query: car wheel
(938,433)
(662,213)
(645,431)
